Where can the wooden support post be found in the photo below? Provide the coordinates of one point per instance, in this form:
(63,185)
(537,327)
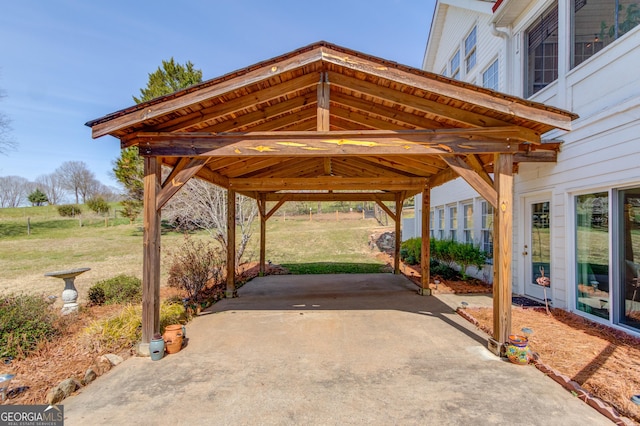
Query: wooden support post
(398,222)
(262,209)
(323,103)
(231,243)
(425,256)
(151,252)
(502,252)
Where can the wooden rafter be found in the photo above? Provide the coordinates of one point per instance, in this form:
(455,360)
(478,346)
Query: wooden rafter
(466,172)
(175,182)
(325,183)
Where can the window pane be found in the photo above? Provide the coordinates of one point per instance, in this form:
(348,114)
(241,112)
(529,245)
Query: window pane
(470,50)
(542,58)
(490,76)
(592,253)
(629,212)
(455,65)
(593,25)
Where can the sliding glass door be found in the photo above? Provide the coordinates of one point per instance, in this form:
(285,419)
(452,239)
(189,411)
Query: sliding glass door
(629,249)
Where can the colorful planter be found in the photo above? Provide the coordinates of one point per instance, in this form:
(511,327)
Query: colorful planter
(518,350)
(156,349)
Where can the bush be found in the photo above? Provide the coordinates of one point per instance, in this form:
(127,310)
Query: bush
(119,289)
(193,265)
(69,210)
(445,272)
(26,321)
(467,255)
(124,329)
(98,205)
(411,251)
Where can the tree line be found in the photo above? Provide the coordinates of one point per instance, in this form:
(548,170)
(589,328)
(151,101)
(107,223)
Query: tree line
(73,179)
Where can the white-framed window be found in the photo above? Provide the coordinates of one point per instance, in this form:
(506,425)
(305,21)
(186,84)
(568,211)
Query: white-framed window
(453,223)
(441,225)
(542,52)
(444,72)
(596,24)
(490,78)
(486,230)
(454,65)
(467,223)
(470,50)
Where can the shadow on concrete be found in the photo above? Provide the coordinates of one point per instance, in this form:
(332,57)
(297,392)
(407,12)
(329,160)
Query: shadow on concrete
(340,292)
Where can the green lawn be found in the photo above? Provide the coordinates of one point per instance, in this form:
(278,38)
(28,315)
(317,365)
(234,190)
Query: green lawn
(58,243)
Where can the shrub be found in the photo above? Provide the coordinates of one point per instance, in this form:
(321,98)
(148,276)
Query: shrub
(411,251)
(445,272)
(26,321)
(119,289)
(98,205)
(467,255)
(193,265)
(69,210)
(124,329)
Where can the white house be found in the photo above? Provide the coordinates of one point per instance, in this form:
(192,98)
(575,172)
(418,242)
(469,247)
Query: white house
(576,221)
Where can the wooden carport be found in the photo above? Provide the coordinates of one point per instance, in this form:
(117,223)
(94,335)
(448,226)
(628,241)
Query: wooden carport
(328,123)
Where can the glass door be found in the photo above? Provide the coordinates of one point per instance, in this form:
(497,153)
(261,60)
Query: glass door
(537,250)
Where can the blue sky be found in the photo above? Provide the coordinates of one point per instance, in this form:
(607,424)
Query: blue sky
(65,62)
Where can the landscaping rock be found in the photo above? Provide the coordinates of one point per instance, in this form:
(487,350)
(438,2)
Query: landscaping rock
(89,376)
(63,390)
(386,241)
(113,359)
(103,365)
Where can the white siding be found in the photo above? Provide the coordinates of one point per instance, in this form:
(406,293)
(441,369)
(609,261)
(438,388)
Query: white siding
(601,153)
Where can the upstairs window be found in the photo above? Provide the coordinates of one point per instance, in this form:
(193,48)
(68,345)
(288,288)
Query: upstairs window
(490,77)
(542,52)
(597,23)
(470,50)
(454,65)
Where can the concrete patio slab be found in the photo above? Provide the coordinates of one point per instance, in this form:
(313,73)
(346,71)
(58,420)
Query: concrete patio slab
(328,349)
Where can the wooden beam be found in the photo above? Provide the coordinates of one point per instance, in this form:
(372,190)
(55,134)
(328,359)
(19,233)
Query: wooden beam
(462,117)
(261,99)
(151,250)
(262,206)
(472,178)
(367,120)
(398,116)
(179,165)
(359,142)
(231,244)
(442,177)
(386,209)
(212,89)
(502,251)
(504,104)
(398,234)
(425,253)
(476,164)
(323,100)
(264,116)
(172,186)
(326,183)
(332,196)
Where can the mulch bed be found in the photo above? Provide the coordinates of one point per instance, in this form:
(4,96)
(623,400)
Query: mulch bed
(603,361)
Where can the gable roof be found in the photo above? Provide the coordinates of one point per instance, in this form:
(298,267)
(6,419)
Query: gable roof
(324,111)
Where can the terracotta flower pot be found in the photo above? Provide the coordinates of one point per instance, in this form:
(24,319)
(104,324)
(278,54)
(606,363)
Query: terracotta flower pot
(173,338)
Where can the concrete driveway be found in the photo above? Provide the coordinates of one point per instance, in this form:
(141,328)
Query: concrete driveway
(328,350)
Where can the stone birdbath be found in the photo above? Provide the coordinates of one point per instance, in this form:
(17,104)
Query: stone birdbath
(69,294)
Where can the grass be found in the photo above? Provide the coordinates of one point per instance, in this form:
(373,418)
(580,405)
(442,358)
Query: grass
(334,268)
(321,245)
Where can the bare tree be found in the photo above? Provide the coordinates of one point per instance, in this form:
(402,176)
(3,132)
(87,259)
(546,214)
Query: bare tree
(202,205)
(13,191)
(77,178)
(6,143)
(52,187)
